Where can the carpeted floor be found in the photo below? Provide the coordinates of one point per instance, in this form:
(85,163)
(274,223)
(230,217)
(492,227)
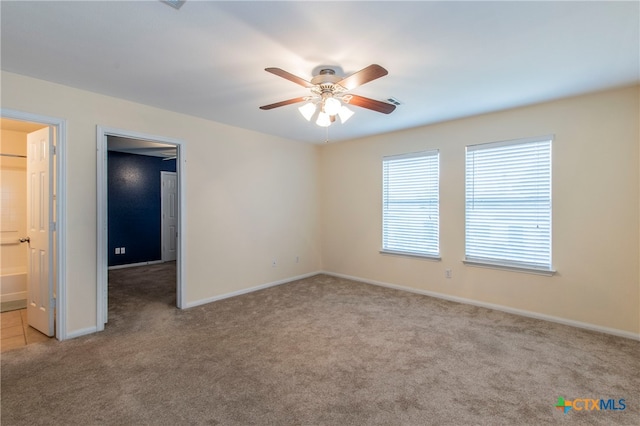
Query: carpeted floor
(319,351)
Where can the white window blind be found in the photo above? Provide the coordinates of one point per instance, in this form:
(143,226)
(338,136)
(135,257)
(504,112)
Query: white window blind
(410,204)
(508,203)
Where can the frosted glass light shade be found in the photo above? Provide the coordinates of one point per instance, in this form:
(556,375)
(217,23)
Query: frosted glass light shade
(324,120)
(332,106)
(307,110)
(344,114)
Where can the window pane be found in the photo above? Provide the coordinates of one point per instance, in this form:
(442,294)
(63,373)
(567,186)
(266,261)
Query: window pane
(508,203)
(410,205)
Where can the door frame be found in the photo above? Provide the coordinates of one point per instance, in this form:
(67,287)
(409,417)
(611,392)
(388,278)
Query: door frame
(59,174)
(102,248)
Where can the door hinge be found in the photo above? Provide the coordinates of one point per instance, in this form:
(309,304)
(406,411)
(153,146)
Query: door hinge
(53,303)
(53,150)
(53,226)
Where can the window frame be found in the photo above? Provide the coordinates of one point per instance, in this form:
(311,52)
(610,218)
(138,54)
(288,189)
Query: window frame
(385,249)
(506,264)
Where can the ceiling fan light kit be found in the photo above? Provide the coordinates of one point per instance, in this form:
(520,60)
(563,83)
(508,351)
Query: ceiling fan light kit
(321,112)
(307,110)
(329,92)
(331,105)
(324,119)
(344,114)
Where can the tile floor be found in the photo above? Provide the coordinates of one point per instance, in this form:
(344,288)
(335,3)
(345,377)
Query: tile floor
(16,331)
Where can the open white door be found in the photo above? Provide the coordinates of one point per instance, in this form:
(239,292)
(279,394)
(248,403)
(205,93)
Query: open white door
(169,207)
(41,302)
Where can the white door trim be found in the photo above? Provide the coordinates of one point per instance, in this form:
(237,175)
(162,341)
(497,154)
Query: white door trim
(60,209)
(102,221)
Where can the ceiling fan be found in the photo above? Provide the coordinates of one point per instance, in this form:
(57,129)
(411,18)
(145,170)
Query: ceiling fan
(329,92)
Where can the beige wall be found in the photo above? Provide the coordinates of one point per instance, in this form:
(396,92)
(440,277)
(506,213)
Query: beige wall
(596,195)
(249,198)
(252,197)
(13,202)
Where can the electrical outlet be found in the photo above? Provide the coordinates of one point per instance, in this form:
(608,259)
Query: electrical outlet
(274,263)
(448,273)
(121,250)
(117,250)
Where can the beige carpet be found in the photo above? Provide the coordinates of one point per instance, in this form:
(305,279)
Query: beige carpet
(320,351)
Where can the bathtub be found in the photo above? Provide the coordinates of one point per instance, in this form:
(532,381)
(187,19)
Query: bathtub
(13,287)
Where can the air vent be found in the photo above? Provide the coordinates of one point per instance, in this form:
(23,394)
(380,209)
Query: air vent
(393,101)
(176,4)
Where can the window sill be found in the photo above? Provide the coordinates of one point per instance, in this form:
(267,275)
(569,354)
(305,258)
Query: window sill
(512,268)
(407,254)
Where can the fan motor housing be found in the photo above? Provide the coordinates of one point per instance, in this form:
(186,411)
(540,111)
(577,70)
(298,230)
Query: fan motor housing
(325,83)
(326,75)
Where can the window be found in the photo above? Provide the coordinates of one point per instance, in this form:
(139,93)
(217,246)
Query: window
(508,204)
(410,204)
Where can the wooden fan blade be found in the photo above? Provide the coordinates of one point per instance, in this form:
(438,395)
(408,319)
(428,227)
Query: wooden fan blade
(371,104)
(363,76)
(284,74)
(283,103)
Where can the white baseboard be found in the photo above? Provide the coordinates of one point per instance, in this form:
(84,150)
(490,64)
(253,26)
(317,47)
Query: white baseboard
(133,265)
(248,290)
(78,333)
(10,297)
(521,312)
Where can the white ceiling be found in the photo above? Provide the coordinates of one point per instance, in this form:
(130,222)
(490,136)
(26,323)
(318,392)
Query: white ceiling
(445,59)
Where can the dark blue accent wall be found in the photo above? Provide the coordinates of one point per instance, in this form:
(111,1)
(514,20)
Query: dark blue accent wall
(134,206)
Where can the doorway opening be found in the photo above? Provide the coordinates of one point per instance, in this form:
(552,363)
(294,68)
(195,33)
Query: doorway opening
(133,207)
(33,228)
